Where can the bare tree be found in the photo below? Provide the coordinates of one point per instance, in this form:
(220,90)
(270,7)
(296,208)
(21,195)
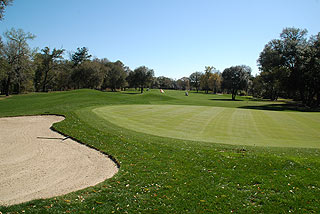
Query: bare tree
(3,5)
(17,53)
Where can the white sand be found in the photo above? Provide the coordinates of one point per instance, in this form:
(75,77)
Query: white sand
(33,166)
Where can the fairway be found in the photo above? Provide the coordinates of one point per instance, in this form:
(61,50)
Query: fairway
(218,124)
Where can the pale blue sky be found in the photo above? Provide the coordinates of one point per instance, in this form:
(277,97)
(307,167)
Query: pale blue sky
(173,37)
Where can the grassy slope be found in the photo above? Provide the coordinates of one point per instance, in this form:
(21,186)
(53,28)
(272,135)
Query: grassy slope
(165,175)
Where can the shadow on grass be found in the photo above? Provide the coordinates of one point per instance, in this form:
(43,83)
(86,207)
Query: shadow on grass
(202,92)
(226,99)
(122,92)
(282,107)
(131,93)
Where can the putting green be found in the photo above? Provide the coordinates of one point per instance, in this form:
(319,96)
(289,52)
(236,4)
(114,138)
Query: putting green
(218,124)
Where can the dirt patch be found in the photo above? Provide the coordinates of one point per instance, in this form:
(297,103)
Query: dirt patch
(36,162)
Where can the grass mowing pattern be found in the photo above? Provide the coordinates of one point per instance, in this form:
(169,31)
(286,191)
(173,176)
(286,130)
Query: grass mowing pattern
(166,175)
(219,124)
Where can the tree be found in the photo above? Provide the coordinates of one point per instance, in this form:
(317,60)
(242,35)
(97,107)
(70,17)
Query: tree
(47,63)
(285,57)
(131,79)
(166,82)
(312,72)
(272,82)
(195,80)
(62,80)
(3,5)
(183,83)
(293,46)
(289,64)
(272,73)
(17,53)
(143,77)
(204,81)
(81,55)
(116,75)
(88,75)
(1,46)
(236,78)
(256,89)
(215,82)
(4,67)
(155,83)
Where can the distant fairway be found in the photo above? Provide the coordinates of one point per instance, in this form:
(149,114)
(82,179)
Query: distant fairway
(219,124)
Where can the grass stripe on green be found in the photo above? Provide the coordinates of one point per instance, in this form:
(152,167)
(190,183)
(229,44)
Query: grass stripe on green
(219,124)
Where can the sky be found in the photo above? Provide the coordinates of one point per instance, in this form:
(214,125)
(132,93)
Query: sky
(173,37)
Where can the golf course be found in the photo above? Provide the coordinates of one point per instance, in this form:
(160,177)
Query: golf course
(201,153)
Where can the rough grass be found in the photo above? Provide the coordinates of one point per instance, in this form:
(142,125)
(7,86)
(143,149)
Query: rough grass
(166,175)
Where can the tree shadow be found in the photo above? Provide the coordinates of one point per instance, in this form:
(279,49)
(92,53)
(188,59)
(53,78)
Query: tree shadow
(121,92)
(131,93)
(282,107)
(200,92)
(215,99)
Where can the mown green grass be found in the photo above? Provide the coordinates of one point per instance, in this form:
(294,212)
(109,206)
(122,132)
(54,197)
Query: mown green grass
(167,175)
(219,124)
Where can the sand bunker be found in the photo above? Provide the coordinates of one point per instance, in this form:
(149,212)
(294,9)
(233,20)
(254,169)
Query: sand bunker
(36,162)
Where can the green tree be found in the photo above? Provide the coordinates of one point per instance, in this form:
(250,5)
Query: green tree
(166,82)
(155,83)
(273,74)
(236,78)
(17,54)
(285,57)
(3,5)
(62,80)
(143,77)
(47,64)
(81,55)
(88,75)
(312,72)
(115,77)
(195,80)
(272,81)
(256,89)
(132,80)
(292,52)
(290,64)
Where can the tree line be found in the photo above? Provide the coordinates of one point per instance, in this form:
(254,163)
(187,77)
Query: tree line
(289,68)
(23,69)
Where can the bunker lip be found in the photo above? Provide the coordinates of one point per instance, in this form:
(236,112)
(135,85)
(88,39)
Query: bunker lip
(38,162)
